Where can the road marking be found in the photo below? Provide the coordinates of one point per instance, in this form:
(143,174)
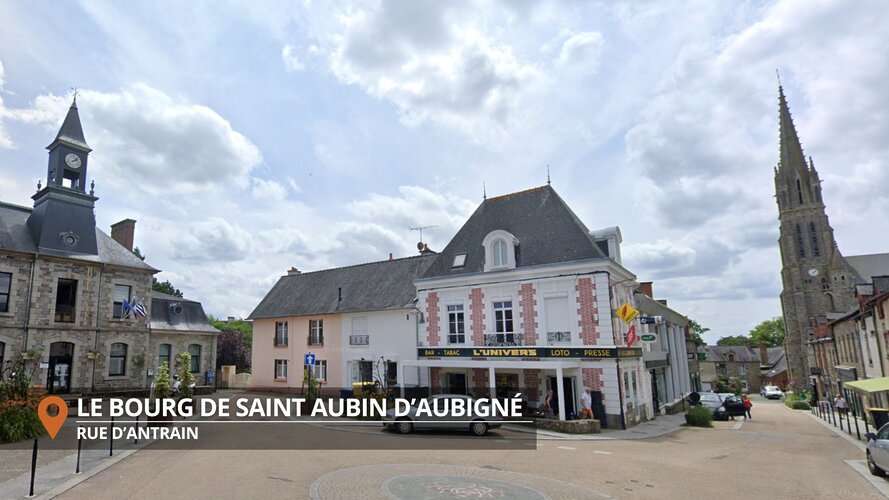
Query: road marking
(566,448)
(599,452)
(860,466)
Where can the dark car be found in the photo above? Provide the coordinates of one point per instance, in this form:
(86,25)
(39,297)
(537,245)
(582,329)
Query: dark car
(723,406)
(406,424)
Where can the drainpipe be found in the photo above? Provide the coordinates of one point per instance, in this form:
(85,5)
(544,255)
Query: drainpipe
(27,325)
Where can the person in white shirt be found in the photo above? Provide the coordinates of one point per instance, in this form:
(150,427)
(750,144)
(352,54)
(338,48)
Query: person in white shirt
(586,404)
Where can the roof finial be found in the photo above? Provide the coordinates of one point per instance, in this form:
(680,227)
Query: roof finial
(779,76)
(92,187)
(548,181)
(74,102)
(484,191)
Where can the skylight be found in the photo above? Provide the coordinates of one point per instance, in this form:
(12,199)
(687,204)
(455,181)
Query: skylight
(459,260)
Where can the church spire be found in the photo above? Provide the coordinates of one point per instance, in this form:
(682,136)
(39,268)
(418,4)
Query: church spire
(791,155)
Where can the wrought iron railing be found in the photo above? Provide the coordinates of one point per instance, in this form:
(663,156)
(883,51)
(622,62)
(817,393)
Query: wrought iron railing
(359,339)
(504,339)
(64,313)
(558,337)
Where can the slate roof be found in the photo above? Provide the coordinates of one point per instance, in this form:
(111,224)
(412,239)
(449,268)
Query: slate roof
(16,236)
(71,131)
(164,315)
(720,353)
(374,286)
(871,265)
(547,230)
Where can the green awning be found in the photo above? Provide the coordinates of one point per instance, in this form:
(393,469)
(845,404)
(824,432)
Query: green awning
(870,385)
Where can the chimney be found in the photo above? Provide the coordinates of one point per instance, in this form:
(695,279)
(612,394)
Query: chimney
(426,250)
(293,271)
(123,232)
(645,287)
(763,354)
(390,256)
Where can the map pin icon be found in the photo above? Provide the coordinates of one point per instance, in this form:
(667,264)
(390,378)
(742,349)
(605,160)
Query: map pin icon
(52,424)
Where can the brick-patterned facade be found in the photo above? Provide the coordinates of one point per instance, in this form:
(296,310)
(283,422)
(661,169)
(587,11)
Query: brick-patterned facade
(528,313)
(592,378)
(433,321)
(480,382)
(532,384)
(586,310)
(477,315)
(435,380)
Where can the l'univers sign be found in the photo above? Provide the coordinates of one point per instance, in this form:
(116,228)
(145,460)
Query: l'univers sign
(531,352)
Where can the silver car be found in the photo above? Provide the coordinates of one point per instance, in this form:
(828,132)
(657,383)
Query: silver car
(406,424)
(878,451)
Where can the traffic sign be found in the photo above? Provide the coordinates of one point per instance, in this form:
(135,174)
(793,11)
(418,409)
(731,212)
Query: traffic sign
(627,313)
(631,336)
(310,359)
(649,337)
(651,320)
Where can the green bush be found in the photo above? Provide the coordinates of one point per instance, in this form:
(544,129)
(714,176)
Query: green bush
(18,424)
(800,405)
(699,416)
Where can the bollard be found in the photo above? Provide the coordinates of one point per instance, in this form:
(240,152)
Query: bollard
(111,438)
(136,439)
(33,468)
(79,446)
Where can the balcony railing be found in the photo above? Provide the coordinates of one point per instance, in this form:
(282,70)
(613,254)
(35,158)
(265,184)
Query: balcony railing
(64,313)
(558,337)
(315,340)
(359,339)
(504,339)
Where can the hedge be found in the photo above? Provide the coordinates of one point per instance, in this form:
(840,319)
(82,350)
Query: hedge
(699,416)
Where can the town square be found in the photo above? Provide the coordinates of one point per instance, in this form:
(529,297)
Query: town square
(444,249)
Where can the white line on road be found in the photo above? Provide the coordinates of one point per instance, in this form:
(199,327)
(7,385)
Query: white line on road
(599,452)
(566,448)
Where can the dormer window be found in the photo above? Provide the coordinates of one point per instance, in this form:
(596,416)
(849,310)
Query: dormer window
(459,260)
(500,250)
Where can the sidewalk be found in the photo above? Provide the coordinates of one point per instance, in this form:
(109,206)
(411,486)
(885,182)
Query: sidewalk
(660,426)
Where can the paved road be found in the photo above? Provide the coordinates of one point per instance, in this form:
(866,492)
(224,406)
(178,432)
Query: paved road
(778,454)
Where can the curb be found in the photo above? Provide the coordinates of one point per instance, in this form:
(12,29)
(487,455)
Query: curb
(83,476)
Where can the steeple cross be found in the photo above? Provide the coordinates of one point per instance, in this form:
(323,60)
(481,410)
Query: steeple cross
(74,90)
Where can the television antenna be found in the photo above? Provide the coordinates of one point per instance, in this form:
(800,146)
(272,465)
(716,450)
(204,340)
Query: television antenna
(420,229)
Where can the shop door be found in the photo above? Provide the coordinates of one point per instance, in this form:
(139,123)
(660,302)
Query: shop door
(568,383)
(456,383)
(654,394)
(58,376)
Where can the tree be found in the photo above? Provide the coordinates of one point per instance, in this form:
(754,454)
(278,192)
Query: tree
(165,287)
(238,325)
(138,253)
(697,331)
(232,349)
(186,379)
(162,387)
(769,333)
(733,340)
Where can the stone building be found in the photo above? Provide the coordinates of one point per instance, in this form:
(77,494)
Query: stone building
(817,281)
(726,362)
(63,283)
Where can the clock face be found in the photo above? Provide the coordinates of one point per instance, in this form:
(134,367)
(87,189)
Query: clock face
(72,160)
(813,272)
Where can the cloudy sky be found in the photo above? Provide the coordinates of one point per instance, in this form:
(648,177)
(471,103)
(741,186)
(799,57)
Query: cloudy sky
(248,137)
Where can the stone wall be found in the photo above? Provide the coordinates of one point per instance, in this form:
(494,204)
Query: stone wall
(586,426)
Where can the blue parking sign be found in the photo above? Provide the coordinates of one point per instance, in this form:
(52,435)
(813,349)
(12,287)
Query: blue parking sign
(310,359)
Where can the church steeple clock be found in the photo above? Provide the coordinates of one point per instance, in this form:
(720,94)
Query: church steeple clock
(63,219)
(816,278)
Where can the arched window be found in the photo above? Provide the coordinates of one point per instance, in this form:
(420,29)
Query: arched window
(163,355)
(498,251)
(800,242)
(195,351)
(117,359)
(814,232)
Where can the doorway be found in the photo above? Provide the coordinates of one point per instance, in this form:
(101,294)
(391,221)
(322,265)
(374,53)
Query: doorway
(655,400)
(455,383)
(58,376)
(568,385)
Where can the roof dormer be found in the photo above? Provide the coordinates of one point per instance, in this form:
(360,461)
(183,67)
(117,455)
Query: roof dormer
(500,249)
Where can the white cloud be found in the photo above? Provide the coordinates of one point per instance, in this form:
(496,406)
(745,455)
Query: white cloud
(5,140)
(291,61)
(268,190)
(582,49)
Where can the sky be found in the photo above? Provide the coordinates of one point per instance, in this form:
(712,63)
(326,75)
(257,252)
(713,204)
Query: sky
(249,137)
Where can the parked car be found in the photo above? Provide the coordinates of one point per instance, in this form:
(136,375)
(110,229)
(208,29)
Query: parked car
(476,425)
(723,405)
(771,392)
(878,451)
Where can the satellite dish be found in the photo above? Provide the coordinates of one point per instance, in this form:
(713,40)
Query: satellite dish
(420,245)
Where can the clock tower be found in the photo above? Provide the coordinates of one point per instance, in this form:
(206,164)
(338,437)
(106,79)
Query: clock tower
(816,278)
(64,219)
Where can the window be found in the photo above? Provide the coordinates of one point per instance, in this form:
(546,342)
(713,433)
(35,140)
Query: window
(498,251)
(319,370)
(164,352)
(281,369)
(558,322)
(799,191)
(117,360)
(66,300)
(503,322)
(362,371)
(799,241)
(195,351)
(456,325)
(459,260)
(5,287)
(814,231)
(121,293)
(316,332)
(280,333)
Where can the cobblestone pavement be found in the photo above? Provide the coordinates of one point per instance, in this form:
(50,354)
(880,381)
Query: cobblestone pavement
(778,454)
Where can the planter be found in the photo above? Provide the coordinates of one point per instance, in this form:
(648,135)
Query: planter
(160,421)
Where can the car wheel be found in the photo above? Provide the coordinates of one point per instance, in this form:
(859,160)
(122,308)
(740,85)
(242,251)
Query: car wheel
(404,426)
(478,428)
(872,467)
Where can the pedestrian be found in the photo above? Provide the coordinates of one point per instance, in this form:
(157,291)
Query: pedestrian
(549,405)
(840,404)
(586,404)
(747,405)
(176,385)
